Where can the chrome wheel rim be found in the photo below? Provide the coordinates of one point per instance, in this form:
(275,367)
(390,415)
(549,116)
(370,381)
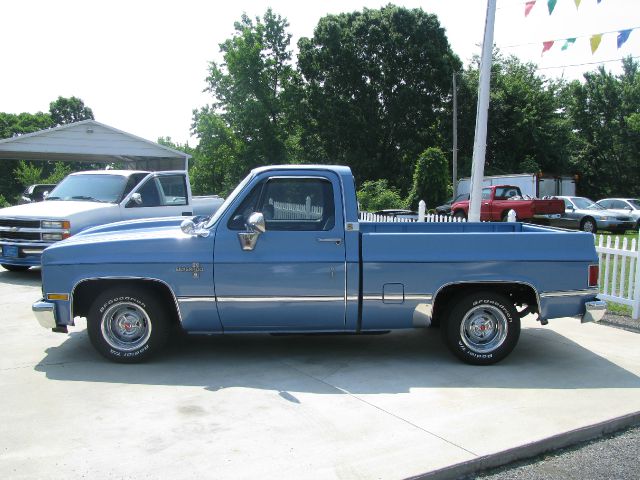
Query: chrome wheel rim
(588,226)
(126,326)
(484,328)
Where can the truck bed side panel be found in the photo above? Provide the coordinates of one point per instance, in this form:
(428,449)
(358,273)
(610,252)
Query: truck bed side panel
(404,271)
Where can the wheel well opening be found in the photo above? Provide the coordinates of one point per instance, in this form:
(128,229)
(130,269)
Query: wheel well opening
(519,293)
(86,292)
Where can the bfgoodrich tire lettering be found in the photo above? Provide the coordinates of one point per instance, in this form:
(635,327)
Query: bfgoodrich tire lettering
(482,327)
(127,324)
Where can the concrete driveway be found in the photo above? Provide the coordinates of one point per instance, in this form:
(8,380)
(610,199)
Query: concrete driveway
(353,407)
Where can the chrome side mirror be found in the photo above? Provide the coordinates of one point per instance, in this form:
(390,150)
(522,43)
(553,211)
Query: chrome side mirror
(190,228)
(255,227)
(137,198)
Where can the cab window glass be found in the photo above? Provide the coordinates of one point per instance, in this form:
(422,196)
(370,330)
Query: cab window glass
(249,205)
(486,194)
(173,189)
(302,204)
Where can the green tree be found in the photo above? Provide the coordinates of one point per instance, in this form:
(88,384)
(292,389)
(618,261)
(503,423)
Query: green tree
(69,110)
(603,112)
(377,195)
(246,126)
(376,87)
(430,179)
(527,131)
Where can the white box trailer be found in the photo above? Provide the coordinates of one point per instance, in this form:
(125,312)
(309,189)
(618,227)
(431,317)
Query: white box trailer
(529,183)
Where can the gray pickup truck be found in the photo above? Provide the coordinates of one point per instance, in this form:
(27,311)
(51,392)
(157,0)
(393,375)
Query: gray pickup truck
(88,199)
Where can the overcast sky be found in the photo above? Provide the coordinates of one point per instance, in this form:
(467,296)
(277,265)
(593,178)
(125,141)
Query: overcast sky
(141,65)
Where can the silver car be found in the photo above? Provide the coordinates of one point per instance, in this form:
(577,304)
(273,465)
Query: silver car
(623,206)
(583,214)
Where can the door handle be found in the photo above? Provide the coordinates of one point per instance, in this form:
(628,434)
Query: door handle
(337,241)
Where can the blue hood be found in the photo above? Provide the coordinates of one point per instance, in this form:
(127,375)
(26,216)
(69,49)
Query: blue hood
(156,241)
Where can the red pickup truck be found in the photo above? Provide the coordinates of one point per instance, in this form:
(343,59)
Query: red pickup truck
(499,199)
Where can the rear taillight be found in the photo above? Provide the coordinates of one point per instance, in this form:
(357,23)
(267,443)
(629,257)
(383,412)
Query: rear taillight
(594,275)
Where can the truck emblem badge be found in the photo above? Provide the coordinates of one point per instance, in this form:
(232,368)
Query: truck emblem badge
(195,268)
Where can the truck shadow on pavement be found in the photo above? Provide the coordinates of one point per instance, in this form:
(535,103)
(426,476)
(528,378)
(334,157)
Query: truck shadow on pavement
(338,364)
(30,278)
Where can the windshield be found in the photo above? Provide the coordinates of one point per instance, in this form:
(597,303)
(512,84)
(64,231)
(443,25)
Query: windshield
(584,203)
(635,203)
(218,213)
(94,188)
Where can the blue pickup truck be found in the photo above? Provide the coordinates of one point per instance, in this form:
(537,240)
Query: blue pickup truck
(286,253)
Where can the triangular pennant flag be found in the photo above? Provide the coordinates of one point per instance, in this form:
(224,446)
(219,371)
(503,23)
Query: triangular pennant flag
(577,3)
(623,36)
(551,4)
(528,6)
(567,42)
(547,46)
(595,42)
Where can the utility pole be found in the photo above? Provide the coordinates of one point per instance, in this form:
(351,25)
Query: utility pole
(455,137)
(480,140)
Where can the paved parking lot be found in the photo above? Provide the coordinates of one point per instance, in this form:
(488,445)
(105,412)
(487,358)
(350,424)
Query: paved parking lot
(355,407)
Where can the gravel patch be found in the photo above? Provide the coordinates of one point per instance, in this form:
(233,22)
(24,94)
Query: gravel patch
(621,321)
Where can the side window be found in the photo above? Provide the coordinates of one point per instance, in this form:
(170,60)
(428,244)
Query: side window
(605,203)
(149,193)
(567,203)
(617,204)
(289,203)
(486,194)
(301,204)
(173,189)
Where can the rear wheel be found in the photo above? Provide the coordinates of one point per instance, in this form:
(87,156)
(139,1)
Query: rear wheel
(15,268)
(482,327)
(127,325)
(588,225)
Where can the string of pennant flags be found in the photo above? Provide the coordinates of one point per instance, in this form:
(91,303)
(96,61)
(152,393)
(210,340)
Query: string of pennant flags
(594,40)
(551,5)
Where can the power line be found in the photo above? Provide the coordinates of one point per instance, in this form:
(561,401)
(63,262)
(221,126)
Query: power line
(587,63)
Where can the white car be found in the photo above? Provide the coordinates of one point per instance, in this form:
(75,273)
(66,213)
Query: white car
(623,206)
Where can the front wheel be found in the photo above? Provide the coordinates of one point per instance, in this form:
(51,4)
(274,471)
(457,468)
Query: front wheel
(127,325)
(15,268)
(482,327)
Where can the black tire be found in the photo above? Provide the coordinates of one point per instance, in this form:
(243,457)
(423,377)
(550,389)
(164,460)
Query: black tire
(15,268)
(588,224)
(460,214)
(464,331)
(127,325)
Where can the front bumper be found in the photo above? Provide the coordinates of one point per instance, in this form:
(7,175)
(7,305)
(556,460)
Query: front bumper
(594,311)
(45,313)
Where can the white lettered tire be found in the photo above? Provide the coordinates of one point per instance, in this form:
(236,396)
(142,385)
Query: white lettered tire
(483,327)
(127,325)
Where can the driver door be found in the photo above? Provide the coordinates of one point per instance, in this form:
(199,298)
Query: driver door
(294,277)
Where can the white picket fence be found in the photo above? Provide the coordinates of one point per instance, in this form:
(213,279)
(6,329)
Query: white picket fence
(620,272)
(372,217)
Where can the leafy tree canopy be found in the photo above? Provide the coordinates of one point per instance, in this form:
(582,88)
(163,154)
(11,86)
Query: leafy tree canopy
(376,84)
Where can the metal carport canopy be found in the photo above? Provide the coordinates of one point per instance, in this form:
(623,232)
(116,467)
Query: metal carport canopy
(89,141)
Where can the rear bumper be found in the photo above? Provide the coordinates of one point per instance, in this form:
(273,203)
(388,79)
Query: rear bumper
(594,311)
(45,313)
